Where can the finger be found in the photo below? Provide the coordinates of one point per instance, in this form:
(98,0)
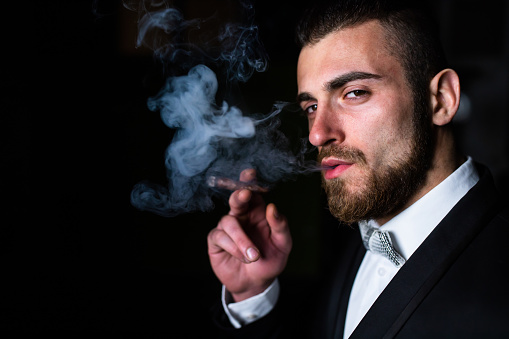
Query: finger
(280,232)
(248,174)
(232,228)
(219,241)
(239,202)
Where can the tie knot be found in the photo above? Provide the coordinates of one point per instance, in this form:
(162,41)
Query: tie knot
(380,242)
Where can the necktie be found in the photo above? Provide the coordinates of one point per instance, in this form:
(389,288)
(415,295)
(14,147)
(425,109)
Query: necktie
(379,242)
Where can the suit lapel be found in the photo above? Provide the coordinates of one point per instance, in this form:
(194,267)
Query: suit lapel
(429,262)
(344,282)
(346,258)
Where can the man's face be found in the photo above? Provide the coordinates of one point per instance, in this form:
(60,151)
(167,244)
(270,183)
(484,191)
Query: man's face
(361,117)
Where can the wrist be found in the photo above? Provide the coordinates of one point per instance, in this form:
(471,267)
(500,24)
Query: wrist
(237,297)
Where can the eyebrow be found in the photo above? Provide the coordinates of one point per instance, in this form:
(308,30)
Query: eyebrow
(339,82)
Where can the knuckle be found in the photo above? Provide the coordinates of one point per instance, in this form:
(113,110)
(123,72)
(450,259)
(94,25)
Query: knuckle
(213,236)
(234,230)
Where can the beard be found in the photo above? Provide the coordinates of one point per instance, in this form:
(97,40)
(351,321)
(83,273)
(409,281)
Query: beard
(386,189)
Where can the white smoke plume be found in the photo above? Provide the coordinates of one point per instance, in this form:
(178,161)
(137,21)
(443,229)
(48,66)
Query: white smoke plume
(211,137)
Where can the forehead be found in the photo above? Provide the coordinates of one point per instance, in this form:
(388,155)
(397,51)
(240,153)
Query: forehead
(358,48)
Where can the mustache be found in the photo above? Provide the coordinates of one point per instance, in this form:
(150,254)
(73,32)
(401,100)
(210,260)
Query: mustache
(345,153)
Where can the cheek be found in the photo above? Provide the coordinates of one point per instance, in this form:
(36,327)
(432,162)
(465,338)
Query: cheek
(387,141)
(396,147)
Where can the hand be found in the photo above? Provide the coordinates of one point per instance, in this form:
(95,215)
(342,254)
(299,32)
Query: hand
(249,247)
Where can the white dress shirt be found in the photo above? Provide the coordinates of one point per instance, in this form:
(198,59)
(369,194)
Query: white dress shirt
(246,311)
(408,230)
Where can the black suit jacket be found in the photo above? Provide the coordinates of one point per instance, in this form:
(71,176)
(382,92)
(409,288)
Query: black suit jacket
(455,285)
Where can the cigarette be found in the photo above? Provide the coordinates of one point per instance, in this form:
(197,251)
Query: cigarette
(233,185)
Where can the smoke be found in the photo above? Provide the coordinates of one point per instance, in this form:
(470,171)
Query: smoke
(211,137)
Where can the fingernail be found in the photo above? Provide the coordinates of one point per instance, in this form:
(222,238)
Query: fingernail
(275,213)
(252,254)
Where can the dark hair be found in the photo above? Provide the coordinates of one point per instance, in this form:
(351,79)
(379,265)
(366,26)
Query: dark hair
(412,33)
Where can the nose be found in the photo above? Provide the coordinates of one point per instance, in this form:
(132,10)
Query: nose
(324,128)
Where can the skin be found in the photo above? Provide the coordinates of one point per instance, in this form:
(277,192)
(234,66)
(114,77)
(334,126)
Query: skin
(355,94)
(250,227)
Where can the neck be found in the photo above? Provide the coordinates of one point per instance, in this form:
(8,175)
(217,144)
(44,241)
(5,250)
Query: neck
(445,161)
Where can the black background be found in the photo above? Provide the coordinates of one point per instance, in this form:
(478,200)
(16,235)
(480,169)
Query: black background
(76,136)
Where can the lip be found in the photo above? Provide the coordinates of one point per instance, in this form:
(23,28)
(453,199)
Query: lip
(335,167)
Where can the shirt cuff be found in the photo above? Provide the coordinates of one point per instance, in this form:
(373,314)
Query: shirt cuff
(246,311)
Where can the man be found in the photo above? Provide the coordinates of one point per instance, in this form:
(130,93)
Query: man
(379,98)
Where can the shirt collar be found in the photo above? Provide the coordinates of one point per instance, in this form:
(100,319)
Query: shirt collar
(411,227)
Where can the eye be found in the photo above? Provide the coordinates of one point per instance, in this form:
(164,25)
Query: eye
(356,94)
(310,109)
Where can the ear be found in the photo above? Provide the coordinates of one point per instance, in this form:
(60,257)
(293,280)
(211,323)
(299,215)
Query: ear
(445,96)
